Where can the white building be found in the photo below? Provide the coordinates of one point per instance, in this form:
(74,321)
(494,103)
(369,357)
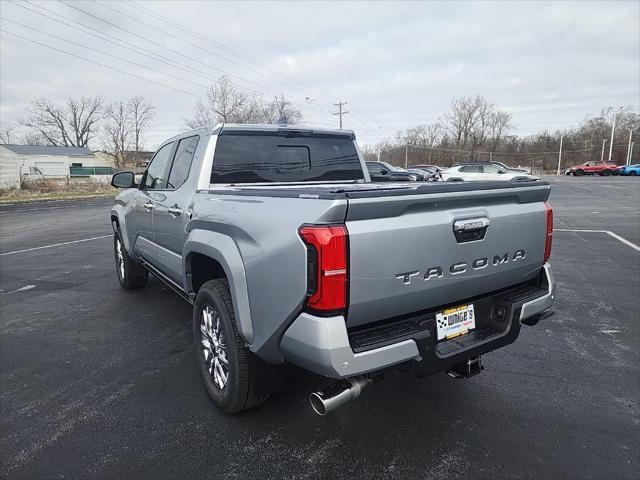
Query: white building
(38,161)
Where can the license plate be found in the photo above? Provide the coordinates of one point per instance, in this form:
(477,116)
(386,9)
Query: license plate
(455,321)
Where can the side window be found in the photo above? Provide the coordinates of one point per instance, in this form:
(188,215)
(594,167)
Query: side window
(471,169)
(182,161)
(374,168)
(490,168)
(156,176)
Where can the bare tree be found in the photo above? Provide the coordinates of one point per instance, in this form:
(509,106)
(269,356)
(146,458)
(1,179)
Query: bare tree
(72,124)
(281,110)
(141,114)
(118,131)
(225,104)
(474,122)
(499,125)
(6,135)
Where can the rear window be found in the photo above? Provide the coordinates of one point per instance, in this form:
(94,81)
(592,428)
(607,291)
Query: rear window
(252,158)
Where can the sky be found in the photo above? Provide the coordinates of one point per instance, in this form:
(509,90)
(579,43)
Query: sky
(396,64)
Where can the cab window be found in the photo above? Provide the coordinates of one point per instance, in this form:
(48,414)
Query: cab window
(182,161)
(155,177)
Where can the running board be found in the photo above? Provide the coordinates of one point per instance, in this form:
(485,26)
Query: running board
(168,282)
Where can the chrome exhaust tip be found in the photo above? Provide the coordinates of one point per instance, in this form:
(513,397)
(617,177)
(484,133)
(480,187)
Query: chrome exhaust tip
(337,394)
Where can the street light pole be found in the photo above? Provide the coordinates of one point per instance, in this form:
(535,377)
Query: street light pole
(631,152)
(629,148)
(613,129)
(406,156)
(309,100)
(560,155)
(602,153)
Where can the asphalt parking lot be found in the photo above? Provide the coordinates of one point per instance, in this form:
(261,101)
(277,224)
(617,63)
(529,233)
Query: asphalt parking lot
(100,382)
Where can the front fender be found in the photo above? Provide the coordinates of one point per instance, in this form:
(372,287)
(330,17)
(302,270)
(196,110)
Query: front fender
(224,250)
(118,212)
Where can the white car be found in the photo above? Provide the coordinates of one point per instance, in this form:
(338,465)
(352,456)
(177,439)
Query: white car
(479,171)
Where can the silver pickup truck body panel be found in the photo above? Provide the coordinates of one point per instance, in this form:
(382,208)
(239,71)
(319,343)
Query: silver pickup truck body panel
(417,237)
(251,230)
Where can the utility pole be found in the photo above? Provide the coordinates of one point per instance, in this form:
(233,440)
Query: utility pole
(560,155)
(631,152)
(629,148)
(340,112)
(602,153)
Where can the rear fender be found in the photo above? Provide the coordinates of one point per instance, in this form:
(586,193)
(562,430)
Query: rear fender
(224,250)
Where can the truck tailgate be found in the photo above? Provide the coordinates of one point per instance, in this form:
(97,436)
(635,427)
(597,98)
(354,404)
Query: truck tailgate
(405,256)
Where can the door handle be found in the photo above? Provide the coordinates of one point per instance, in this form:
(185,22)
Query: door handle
(148,206)
(174,211)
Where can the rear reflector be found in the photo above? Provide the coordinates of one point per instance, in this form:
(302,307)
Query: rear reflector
(327,266)
(549,238)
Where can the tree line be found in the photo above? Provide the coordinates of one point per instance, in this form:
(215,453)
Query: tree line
(474,129)
(120,127)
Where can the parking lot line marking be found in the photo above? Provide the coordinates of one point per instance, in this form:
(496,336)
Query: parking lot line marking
(55,245)
(52,208)
(608,232)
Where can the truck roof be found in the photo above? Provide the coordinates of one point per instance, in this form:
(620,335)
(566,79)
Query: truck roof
(259,128)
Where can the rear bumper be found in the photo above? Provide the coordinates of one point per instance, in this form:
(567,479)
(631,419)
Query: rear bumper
(325,346)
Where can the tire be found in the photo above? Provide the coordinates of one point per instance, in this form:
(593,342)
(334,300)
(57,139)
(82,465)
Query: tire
(606,173)
(632,173)
(214,323)
(131,275)
(578,173)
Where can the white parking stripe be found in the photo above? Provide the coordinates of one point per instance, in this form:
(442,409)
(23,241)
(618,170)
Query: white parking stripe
(53,208)
(608,232)
(56,245)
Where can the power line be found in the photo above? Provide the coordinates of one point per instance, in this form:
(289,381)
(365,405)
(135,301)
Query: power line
(139,50)
(246,58)
(211,41)
(101,64)
(105,53)
(118,42)
(165,47)
(150,54)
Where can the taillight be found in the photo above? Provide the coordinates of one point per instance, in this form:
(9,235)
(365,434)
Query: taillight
(547,245)
(327,266)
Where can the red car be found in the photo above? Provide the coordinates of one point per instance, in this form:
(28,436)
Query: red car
(592,168)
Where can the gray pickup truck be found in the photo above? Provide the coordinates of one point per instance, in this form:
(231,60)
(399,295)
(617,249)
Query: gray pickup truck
(289,253)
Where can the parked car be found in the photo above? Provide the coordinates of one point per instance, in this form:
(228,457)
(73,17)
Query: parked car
(592,168)
(499,164)
(483,171)
(428,167)
(385,172)
(631,170)
(288,253)
(425,174)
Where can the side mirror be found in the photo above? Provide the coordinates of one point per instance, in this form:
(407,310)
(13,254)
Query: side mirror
(502,171)
(384,172)
(123,180)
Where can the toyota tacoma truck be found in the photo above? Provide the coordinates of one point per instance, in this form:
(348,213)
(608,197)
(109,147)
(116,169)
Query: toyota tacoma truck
(290,254)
